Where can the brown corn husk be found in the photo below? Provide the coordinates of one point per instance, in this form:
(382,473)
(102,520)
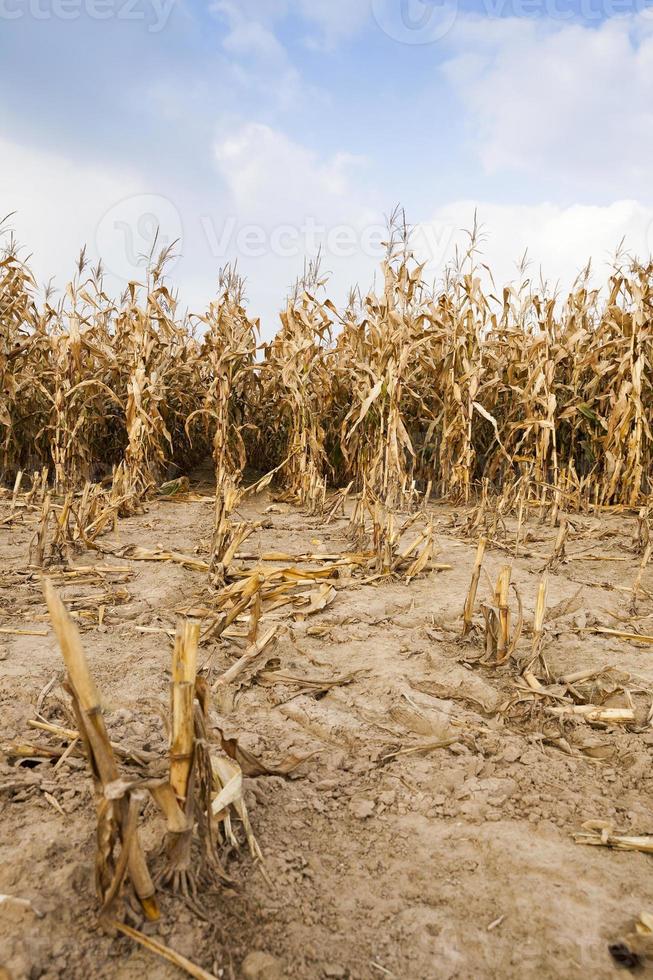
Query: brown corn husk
(538,621)
(501,597)
(120,814)
(468,611)
(184,672)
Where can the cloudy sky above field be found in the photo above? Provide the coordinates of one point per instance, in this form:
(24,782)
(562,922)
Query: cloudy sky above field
(258,130)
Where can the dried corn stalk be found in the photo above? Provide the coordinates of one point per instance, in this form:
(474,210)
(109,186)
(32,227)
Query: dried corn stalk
(117,806)
(197,799)
(512,395)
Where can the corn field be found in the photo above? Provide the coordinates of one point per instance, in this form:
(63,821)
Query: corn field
(400,435)
(410,390)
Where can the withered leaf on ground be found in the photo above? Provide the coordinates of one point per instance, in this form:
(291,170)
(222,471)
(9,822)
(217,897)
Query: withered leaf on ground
(251,766)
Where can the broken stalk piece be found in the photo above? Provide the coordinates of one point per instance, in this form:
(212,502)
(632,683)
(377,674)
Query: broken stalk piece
(116,817)
(468,612)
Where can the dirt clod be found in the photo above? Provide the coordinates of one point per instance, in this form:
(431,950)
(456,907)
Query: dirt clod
(261,966)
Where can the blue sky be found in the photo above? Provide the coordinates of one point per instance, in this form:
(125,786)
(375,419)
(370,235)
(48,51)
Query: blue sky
(259,130)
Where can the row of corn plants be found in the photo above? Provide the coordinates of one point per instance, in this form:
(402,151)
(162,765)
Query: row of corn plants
(407,390)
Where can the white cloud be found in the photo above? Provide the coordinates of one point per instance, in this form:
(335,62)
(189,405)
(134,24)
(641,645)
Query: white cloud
(297,199)
(271,177)
(292,202)
(258,60)
(559,240)
(254,40)
(293,197)
(249,30)
(570,102)
(333,19)
(58,205)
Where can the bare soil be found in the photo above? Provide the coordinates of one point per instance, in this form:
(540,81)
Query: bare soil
(449,862)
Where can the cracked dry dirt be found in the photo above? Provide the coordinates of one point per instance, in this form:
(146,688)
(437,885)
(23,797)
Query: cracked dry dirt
(382,862)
